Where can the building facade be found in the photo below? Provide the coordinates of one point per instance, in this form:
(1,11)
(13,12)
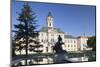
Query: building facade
(48,37)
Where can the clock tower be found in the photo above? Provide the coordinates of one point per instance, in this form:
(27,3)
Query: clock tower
(49,20)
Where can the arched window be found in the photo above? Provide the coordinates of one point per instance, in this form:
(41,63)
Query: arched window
(41,40)
(47,49)
(74,41)
(50,24)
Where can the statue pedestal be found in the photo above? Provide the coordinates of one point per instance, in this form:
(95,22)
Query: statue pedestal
(60,58)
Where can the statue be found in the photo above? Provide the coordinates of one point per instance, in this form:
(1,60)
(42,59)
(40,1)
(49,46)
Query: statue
(58,45)
(60,54)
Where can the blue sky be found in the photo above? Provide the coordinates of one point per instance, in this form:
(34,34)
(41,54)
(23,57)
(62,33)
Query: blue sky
(73,19)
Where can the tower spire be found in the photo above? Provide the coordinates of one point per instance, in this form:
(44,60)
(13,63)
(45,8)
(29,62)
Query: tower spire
(50,14)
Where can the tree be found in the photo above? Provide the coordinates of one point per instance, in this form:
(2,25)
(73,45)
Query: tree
(13,48)
(25,31)
(92,42)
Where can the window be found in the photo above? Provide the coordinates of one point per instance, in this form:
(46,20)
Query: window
(42,34)
(44,41)
(41,40)
(47,40)
(68,41)
(53,40)
(52,34)
(74,45)
(52,48)
(68,45)
(50,24)
(71,41)
(47,49)
(65,41)
(74,41)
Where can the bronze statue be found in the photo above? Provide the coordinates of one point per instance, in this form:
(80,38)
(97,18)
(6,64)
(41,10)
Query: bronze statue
(58,45)
(60,54)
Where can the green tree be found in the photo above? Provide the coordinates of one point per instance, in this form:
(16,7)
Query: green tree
(13,48)
(25,31)
(92,42)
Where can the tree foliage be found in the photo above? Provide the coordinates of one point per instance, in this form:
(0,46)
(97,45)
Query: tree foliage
(26,16)
(26,30)
(92,42)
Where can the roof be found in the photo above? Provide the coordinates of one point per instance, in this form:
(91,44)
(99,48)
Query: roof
(70,36)
(83,37)
(58,30)
(50,14)
(45,29)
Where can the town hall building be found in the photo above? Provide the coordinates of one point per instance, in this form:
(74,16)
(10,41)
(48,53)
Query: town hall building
(48,36)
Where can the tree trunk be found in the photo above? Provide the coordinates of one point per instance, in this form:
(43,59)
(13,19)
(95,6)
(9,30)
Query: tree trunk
(26,25)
